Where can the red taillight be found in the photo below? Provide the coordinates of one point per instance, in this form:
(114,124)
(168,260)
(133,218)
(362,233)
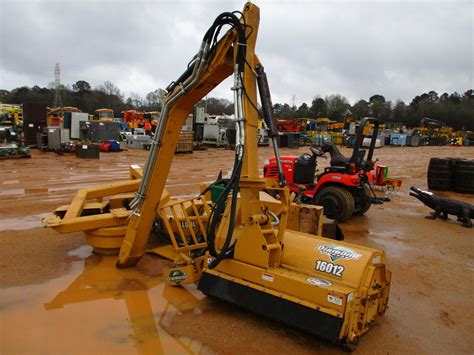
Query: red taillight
(352,168)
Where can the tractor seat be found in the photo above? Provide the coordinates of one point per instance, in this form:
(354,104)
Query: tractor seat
(340,161)
(335,169)
(337,158)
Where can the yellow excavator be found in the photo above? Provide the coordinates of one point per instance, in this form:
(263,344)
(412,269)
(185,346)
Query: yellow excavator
(247,248)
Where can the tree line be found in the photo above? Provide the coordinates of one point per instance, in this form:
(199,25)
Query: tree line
(454,109)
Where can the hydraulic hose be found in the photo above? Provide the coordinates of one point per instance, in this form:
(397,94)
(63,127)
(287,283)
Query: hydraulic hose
(187,81)
(199,64)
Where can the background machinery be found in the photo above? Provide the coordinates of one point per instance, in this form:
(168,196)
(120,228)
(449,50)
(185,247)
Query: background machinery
(241,248)
(104,114)
(343,188)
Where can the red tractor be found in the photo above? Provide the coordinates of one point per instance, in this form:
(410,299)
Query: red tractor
(343,189)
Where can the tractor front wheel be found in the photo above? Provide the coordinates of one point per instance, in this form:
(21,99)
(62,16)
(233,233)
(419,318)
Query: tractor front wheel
(337,201)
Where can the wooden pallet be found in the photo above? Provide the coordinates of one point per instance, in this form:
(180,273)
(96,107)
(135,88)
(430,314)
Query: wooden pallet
(185,142)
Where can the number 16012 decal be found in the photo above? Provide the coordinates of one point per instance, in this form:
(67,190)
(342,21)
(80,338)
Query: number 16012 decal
(329,268)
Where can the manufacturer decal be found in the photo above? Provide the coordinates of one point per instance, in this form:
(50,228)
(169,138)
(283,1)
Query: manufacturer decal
(335,298)
(329,268)
(336,252)
(267,277)
(177,276)
(319,282)
(185,224)
(336,177)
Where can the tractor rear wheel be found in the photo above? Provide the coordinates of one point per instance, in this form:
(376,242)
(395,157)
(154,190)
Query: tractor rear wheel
(337,201)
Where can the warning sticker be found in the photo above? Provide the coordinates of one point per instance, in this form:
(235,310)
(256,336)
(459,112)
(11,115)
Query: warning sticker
(267,277)
(335,298)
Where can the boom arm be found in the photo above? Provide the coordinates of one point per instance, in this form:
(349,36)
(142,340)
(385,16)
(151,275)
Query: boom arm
(214,63)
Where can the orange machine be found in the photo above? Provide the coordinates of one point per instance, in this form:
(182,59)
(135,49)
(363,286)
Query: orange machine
(293,125)
(104,114)
(133,118)
(55,115)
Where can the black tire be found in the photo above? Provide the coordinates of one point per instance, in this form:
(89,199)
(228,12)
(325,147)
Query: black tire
(361,200)
(463,177)
(361,209)
(440,174)
(337,201)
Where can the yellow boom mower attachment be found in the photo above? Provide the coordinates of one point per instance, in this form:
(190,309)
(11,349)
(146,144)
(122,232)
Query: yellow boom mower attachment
(244,248)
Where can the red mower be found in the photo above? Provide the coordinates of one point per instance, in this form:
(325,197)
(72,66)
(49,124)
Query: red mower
(343,189)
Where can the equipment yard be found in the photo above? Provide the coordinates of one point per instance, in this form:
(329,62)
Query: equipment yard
(58,297)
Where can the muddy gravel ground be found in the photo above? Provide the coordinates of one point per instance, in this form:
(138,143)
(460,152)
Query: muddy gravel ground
(57,297)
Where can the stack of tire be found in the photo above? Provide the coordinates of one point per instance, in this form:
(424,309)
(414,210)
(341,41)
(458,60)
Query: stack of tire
(446,174)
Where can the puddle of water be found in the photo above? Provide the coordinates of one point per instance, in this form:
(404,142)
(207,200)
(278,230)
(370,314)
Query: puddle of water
(392,242)
(97,309)
(35,191)
(12,192)
(8,182)
(82,252)
(23,223)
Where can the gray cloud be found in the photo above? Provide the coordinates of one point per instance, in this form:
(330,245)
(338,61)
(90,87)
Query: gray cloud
(397,49)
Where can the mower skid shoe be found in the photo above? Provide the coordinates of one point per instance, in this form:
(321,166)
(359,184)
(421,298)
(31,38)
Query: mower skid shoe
(295,315)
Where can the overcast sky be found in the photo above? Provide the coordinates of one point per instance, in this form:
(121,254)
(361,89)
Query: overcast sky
(395,48)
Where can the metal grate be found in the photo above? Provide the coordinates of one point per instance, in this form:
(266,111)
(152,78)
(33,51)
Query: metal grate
(185,222)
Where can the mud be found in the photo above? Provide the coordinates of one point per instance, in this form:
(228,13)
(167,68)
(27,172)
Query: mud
(58,298)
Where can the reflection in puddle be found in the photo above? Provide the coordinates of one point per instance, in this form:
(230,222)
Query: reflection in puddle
(100,310)
(22,223)
(7,192)
(9,182)
(393,243)
(82,252)
(35,191)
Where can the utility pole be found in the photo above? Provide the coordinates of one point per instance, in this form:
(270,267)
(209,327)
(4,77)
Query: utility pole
(293,101)
(57,86)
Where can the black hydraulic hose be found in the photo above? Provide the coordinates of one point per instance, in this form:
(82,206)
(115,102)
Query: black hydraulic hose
(227,249)
(210,40)
(226,18)
(219,209)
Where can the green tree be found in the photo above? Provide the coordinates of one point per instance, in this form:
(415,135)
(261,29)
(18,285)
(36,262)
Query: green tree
(155,98)
(377,97)
(399,111)
(337,106)
(216,106)
(318,108)
(360,109)
(81,86)
(303,111)
(4,95)
(285,112)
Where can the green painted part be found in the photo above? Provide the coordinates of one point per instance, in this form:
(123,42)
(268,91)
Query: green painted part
(216,191)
